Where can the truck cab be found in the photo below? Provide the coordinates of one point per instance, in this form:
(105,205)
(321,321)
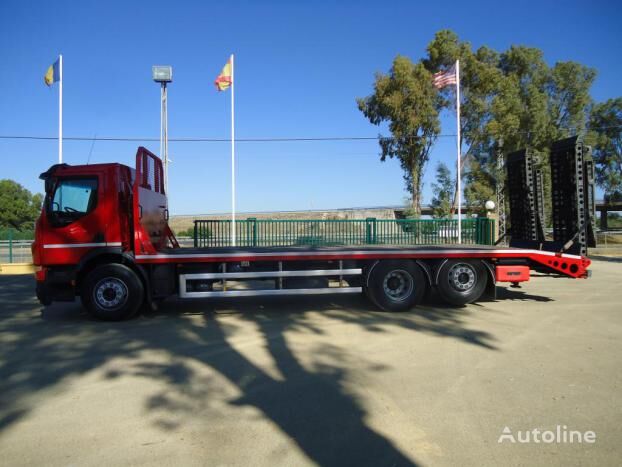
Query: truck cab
(87,219)
(85,207)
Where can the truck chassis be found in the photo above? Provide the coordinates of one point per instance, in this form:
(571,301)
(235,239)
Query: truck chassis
(120,254)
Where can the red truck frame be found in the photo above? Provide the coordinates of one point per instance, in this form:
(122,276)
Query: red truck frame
(103,236)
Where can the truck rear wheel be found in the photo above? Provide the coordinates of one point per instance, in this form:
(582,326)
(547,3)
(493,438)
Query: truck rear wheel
(112,292)
(462,281)
(396,285)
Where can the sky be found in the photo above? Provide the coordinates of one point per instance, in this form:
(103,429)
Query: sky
(299,66)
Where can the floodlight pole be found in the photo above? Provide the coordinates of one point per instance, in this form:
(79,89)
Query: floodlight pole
(163,75)
(60,109)
(164,133)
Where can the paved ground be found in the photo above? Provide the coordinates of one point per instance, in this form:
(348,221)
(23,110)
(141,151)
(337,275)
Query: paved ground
(324,381)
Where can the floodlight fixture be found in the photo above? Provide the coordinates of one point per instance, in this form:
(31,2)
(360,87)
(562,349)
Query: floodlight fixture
(162,73)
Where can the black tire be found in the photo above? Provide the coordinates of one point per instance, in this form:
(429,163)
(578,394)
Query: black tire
(462,281)
(112,292)
(396,285)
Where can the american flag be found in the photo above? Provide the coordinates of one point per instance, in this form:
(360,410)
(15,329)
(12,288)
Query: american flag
(445,78)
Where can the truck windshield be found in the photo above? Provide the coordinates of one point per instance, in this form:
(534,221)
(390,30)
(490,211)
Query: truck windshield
(72,199)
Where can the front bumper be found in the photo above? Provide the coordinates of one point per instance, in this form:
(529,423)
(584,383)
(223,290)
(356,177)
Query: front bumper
(55,285)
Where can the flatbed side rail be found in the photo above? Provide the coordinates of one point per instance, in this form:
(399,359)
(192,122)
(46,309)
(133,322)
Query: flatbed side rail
(569,265)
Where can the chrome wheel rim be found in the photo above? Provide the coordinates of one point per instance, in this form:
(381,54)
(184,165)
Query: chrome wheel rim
(462,277)
(110,293)
(398,285)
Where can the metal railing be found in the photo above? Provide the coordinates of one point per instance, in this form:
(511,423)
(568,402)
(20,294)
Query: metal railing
(14,248)
(319,232)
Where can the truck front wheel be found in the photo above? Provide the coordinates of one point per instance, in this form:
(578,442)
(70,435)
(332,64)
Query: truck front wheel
(112,292)
(396,285)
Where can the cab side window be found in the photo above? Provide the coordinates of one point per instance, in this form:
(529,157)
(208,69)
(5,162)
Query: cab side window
(72,199)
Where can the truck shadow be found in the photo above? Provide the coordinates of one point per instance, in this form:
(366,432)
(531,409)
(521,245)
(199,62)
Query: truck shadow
(310,403)
(430,317)
(521,295)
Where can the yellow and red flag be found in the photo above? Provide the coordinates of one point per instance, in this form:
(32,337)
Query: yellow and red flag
(225,79)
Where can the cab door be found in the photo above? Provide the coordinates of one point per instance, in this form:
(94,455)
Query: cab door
(76,216)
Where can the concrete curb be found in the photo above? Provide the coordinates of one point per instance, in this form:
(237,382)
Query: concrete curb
(17,268)
(611,251)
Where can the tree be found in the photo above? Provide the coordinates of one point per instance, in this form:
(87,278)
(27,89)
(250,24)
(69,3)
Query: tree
(480,187)
(569,97)
(606,138)
(443,192)
(520,114)
(18,207)
(480,79)
(406,99)
(510,100)
(513,99)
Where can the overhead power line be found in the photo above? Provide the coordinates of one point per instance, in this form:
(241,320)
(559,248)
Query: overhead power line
(244,140)
(206,140)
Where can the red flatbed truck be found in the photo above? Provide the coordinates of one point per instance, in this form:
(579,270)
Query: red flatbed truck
(103,236)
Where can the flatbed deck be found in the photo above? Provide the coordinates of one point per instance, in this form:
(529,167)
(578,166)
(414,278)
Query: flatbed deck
(571,265)
(325,249)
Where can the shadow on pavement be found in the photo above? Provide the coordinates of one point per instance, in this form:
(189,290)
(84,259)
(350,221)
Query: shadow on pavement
(310,404)
(518,294)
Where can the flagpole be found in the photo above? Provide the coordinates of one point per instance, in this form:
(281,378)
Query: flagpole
(60,109)
(458,148)
(233,242)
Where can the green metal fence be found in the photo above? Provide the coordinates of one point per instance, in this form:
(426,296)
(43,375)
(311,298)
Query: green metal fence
(15,246)
(270,232)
